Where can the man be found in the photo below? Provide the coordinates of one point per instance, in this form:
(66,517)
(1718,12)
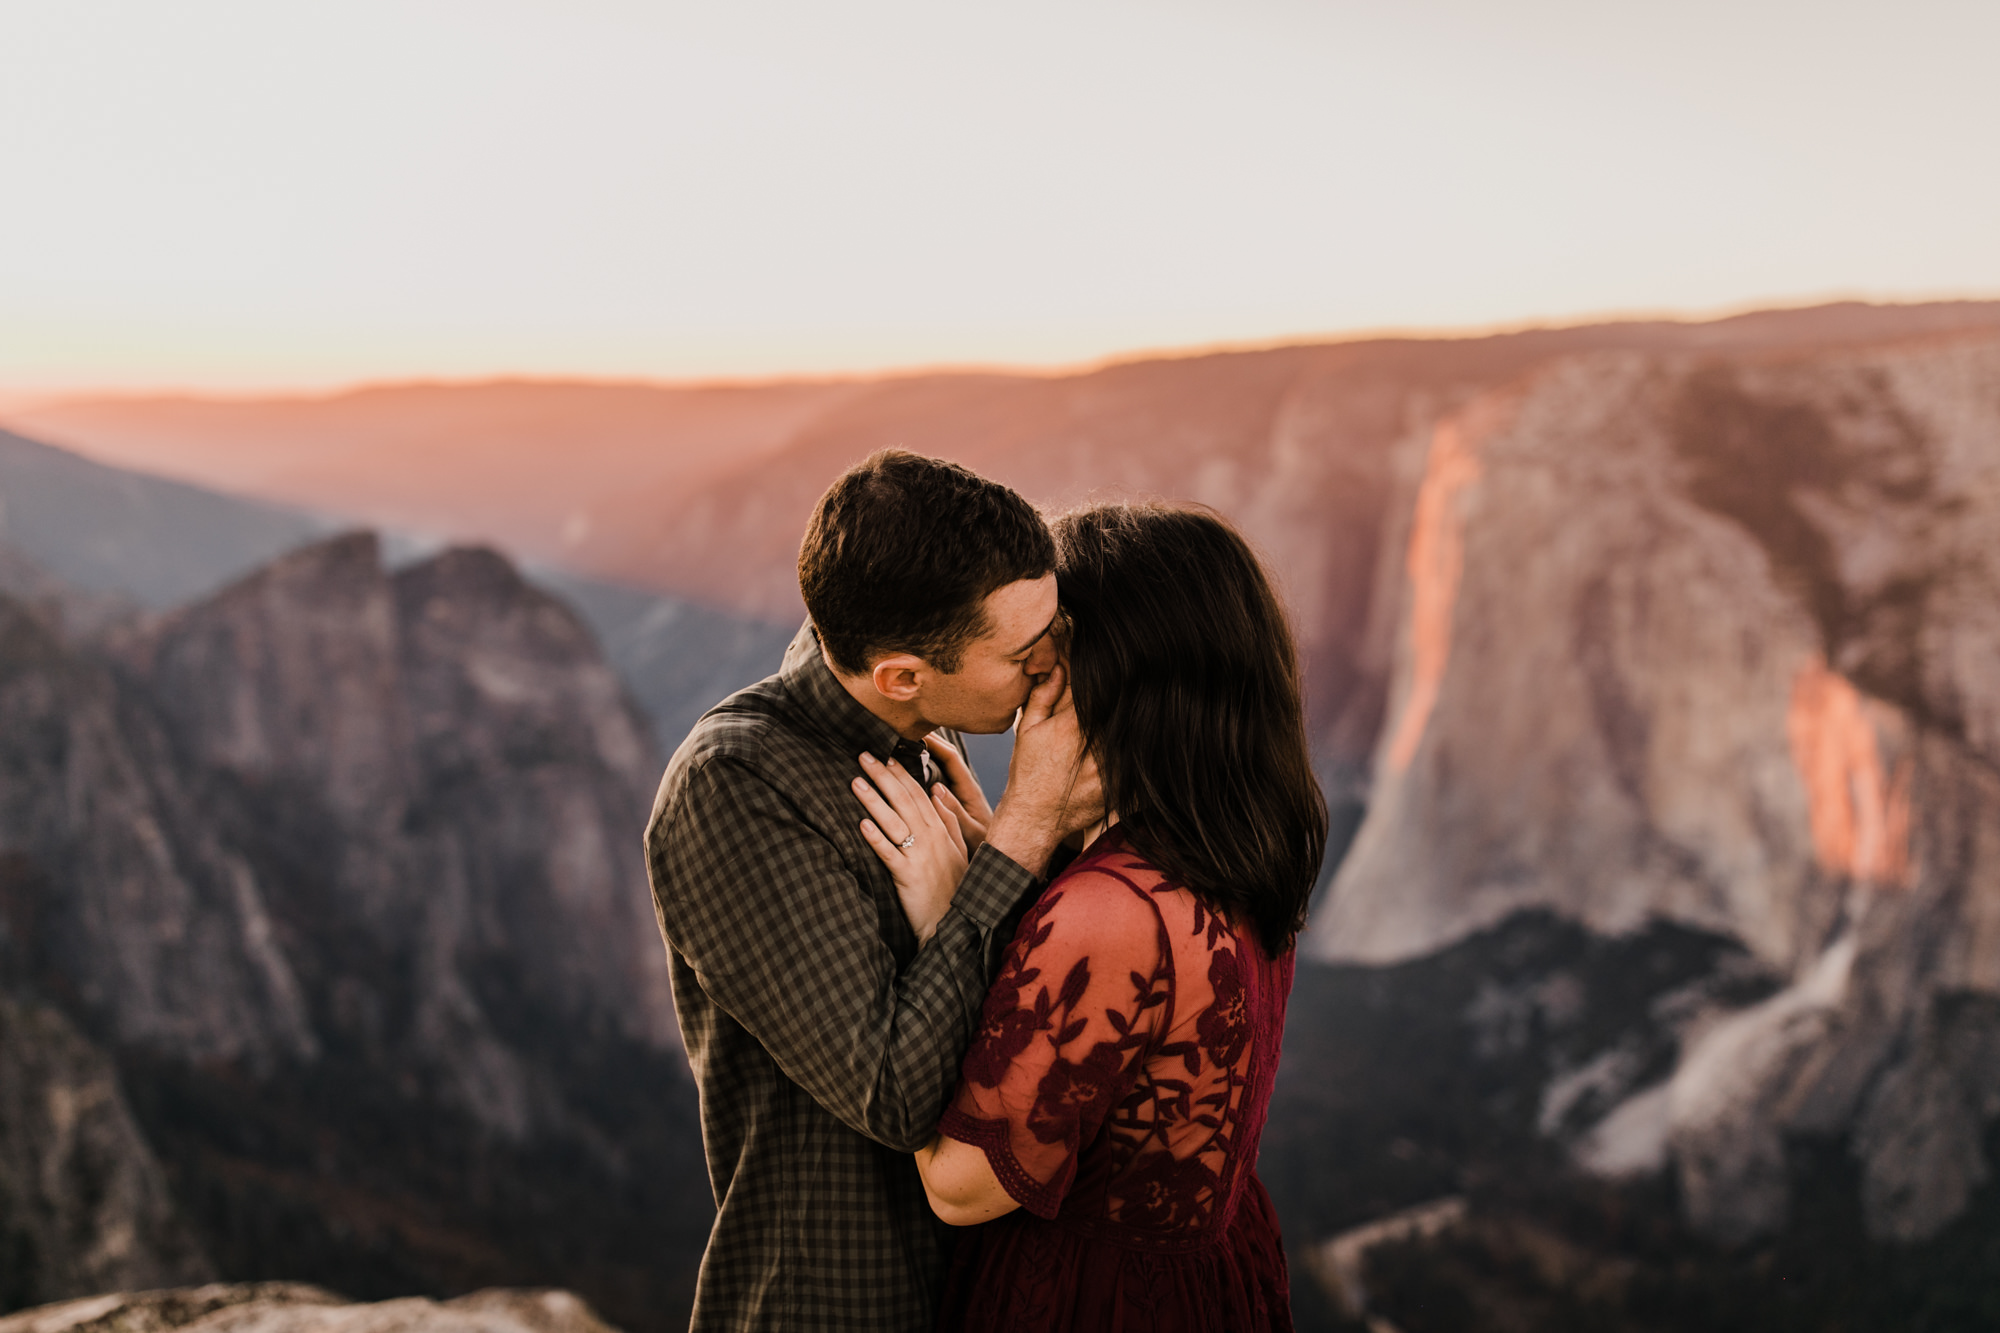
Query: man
(824,1036)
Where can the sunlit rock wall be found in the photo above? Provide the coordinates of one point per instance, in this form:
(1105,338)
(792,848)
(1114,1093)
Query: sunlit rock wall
(1717,641)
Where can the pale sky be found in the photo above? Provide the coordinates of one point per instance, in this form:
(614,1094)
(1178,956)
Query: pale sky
(253,193)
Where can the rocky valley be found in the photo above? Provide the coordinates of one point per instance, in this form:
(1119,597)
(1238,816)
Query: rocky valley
(1652,667)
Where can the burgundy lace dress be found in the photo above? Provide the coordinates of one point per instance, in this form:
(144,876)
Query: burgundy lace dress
(1118,1085)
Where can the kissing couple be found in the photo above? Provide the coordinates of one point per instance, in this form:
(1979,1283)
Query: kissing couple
(968,1067)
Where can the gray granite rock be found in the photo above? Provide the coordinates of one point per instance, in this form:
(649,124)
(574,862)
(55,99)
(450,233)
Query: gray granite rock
(1716,640)
(139,912)
(342,865)
(288,1307)
(84,1206)
(448,738)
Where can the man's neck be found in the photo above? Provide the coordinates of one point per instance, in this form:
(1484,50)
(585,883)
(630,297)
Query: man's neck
(906,720)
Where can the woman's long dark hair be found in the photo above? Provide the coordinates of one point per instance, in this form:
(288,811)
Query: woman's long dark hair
(1186,684)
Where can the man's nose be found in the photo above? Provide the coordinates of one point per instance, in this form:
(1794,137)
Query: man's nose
(1043,659)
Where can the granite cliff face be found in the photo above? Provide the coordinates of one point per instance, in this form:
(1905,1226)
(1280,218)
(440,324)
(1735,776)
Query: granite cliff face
(119,899)
(1712,641)
(84,1206)
(341,866)
(460,767)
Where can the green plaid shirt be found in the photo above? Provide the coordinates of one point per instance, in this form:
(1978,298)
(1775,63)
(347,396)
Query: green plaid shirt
(824,1041)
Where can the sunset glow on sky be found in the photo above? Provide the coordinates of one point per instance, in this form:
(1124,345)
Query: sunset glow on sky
(233,194)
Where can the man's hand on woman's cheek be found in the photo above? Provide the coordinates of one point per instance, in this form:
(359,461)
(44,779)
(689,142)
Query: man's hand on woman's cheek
(1052,785)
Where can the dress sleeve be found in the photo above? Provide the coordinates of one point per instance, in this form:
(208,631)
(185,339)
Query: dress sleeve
(1064,1033)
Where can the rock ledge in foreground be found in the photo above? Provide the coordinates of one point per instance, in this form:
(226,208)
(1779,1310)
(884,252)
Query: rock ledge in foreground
(290,1307)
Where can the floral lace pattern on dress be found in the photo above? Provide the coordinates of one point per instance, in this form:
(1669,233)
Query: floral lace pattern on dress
(1123,1061)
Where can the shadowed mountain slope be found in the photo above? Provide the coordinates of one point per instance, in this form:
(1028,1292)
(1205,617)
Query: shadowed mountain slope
(522,464)
(103,544)
(84,1206)
(109,530)
(342,865)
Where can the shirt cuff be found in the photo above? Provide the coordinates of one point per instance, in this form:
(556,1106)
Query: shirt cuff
(994,884)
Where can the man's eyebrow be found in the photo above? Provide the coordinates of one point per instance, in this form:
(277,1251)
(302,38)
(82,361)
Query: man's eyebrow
(1039,637)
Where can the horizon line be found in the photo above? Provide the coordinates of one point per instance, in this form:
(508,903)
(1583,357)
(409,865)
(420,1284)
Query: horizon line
(306,390)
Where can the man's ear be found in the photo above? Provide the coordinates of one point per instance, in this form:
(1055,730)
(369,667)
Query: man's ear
(895,677)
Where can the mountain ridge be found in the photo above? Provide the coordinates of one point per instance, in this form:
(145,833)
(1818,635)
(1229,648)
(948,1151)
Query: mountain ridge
(1661,671)
(1711,644)
(1306,446)
(339,869)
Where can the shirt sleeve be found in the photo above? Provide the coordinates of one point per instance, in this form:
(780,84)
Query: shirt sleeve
(1063,1034)
(787,941)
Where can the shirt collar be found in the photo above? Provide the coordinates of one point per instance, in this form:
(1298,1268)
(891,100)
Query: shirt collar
(826,706)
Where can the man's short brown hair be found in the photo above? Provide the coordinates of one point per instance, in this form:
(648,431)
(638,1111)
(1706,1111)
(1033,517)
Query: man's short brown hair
(903,552)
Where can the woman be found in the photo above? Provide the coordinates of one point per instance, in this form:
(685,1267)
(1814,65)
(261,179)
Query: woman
(1109,1111)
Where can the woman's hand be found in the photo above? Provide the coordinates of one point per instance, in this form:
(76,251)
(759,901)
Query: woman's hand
(917,837)
(967,802)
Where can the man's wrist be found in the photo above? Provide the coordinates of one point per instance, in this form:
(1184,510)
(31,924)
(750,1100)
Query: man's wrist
(1028,844)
